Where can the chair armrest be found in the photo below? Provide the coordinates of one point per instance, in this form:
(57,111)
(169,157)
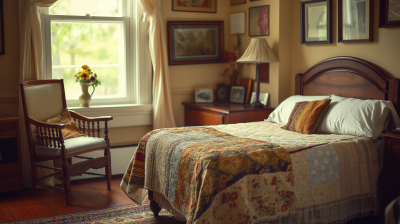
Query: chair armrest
(48,135)
(81,117)
(44,124)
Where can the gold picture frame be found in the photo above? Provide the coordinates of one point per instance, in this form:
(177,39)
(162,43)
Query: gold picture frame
(209,6)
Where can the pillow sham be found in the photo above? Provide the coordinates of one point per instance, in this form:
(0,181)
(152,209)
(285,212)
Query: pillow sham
(282,112)
(306,116)
(351,116)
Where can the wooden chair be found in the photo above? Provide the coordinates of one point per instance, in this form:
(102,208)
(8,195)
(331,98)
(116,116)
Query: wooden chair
(44,99)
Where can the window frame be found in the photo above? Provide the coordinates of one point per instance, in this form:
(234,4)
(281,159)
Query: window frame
(139,110)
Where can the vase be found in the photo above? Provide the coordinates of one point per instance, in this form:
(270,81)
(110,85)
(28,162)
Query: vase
(85,97)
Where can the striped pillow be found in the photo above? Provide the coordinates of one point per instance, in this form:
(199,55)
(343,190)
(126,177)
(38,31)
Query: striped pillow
(306,116)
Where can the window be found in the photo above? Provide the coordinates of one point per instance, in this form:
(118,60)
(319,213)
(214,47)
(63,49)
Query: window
(103,35)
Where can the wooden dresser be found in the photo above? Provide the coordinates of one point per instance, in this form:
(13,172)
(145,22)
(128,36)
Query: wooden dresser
(198,114)
(391,168)
(11,175)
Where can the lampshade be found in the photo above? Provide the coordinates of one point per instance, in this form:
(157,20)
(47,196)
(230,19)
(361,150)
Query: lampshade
(258,51)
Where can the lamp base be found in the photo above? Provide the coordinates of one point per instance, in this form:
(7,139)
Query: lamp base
(257,105)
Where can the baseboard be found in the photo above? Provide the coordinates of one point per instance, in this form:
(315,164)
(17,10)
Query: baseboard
(120,158)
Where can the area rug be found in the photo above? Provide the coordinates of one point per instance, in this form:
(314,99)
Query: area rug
(133,213)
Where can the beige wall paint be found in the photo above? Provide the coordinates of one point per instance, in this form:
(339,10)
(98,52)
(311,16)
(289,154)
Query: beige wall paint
(186,78)
(9,62)
(384,51)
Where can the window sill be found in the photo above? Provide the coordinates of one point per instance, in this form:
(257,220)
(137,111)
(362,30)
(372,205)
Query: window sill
(124,115)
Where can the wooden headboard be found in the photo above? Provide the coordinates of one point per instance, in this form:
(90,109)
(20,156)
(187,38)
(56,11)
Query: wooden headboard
(348,77)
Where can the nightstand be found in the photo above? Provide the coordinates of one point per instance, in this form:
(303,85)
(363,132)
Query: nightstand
(391,168)
(198,114)
(11,175)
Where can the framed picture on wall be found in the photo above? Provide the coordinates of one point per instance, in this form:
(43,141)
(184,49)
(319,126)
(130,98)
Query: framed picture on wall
(1,28)
(237,2)
(195,6)
(316,22)
(355,20)
(192,42)
(389,13)
(259,21)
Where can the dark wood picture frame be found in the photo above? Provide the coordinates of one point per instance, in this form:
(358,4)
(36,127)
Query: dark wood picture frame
(176,7)
(370,21)
(238,2)
(222,95)
(197,54)
(254,23)
(304,25)
(1,28)
(384,21)
(238,94)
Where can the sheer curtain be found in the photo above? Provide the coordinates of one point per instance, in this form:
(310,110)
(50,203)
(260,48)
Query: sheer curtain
(31,67)
(162,105)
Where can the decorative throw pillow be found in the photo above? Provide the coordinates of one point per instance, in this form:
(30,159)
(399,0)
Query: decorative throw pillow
(70,130)
(306,116)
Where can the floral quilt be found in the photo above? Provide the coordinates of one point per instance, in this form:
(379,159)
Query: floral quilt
(210,176)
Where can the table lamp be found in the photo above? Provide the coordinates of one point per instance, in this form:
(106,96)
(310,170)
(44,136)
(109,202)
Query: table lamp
(258,52)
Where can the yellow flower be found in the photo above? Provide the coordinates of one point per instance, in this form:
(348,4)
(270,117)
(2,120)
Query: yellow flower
(84,75)
(95,75)
(85,67)
(76,74)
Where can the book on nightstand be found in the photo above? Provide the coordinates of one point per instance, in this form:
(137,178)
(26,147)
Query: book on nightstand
(249,88)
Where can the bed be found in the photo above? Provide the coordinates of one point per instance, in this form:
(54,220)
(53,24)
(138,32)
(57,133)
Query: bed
(258,172)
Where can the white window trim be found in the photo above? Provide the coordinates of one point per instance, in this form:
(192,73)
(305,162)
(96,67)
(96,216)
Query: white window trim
(124,115)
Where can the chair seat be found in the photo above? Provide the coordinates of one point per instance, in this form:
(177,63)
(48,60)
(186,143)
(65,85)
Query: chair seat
(73,145)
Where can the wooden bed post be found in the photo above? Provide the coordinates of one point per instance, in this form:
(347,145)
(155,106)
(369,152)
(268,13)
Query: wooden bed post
(154,207)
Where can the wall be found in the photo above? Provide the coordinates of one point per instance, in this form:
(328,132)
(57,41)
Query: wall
(186,78)
(9,62)
(384,51)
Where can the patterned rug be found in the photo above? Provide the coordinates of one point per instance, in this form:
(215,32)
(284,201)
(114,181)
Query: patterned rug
(133,214)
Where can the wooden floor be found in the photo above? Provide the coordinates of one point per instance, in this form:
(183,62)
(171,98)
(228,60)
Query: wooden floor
(87,195)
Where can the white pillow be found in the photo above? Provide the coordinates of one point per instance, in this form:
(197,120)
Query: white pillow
(367,118)
(282,113)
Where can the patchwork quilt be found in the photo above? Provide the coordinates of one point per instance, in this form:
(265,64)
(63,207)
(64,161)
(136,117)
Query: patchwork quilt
(234,174)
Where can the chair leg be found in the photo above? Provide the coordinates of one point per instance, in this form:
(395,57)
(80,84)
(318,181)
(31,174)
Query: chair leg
(108,168)
(66,179)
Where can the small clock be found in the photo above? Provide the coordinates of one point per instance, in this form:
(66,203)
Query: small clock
(223,93)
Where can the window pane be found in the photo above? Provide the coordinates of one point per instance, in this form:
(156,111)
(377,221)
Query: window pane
(74,44)
(111,85)
(83,7)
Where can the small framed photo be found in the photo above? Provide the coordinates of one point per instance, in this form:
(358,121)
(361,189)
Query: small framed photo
(263,98)
(204,95)
(223,92)
(192,6)
(237,2)
(259,21)
(316,22)
(355,20)
(389,13)
(238,94)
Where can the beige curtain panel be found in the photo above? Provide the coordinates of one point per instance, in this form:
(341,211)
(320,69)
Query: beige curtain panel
(162,106)
(31,68)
